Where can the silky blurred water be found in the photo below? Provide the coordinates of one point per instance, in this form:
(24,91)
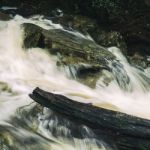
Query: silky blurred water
(21,70)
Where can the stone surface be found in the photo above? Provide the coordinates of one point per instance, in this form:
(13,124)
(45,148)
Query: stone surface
(4,17)
(82,55)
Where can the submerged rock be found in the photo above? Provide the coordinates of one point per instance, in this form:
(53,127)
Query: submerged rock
(110,39)
(4,87)
(22,129)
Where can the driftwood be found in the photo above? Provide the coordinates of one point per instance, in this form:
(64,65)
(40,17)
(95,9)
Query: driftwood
(123,131)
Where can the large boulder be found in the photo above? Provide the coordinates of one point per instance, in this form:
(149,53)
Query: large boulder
(88,26)
(78,53)
(66,43)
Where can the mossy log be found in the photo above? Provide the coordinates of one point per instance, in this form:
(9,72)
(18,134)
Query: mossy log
(123,131)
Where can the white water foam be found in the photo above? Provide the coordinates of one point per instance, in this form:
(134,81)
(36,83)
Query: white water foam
(23,70)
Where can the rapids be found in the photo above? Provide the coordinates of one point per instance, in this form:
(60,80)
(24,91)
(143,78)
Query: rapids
(21,70)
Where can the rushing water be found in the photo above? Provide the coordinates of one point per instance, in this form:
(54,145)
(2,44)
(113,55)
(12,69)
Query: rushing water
(25,125)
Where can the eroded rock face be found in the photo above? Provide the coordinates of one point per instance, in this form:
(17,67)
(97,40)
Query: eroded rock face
(5,88)
(84,55)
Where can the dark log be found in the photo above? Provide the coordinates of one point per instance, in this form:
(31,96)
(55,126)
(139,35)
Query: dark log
(124,131)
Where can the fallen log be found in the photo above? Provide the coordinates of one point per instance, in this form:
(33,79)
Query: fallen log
(125,132)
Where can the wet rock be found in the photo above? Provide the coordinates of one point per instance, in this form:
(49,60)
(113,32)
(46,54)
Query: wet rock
(136,30)
(90,27)
(101,78)
(66,43)
(110,39)
(131,37)
(13,138)
(71,49)
(4,142)
(76,22)
(4,17)
(21,129)
(33,37)
(128,19)
(139,61)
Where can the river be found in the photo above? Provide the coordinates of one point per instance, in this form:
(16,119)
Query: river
(23,125)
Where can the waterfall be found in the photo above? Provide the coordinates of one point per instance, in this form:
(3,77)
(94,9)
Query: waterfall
(26,125)
(135,78)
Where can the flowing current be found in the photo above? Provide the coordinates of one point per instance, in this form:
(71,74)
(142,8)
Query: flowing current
(25,125)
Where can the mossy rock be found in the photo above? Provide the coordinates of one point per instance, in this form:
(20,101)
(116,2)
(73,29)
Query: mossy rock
(65,43)
(71,49)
